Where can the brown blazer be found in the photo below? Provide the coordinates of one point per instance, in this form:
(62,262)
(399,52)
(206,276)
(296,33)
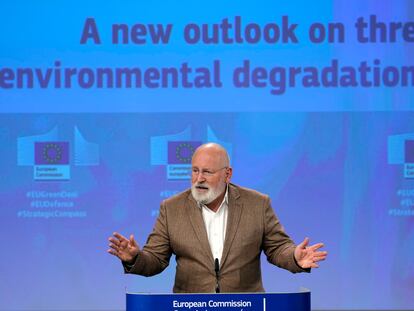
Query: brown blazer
(252,227)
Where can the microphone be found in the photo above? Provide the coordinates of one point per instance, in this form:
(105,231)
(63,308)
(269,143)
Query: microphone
(217,269)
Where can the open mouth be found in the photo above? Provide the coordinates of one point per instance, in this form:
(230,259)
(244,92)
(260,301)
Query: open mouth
(202,188)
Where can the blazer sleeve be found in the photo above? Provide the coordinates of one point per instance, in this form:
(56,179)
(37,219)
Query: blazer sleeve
(277,245)
(155,255)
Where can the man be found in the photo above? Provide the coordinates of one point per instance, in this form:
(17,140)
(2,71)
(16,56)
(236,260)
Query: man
(217,232)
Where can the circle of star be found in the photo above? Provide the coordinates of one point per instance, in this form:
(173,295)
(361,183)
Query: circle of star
(182,147)
(50,147)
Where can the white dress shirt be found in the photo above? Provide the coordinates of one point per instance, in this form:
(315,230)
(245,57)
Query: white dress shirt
(216,224)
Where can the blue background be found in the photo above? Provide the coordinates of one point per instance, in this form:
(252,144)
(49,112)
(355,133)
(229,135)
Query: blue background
(322,154)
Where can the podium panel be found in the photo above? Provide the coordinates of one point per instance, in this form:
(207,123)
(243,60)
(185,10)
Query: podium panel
(299,301)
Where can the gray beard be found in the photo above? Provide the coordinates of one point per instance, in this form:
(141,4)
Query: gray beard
(205,198)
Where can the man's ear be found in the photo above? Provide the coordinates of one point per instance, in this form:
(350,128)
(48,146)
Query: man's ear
(229,173)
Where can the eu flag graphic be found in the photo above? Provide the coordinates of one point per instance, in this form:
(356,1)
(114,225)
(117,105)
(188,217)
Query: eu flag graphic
(51,153)
(51,161)
(409,151)
(181,152)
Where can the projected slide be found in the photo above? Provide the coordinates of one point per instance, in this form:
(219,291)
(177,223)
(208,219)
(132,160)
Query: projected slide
(103,104)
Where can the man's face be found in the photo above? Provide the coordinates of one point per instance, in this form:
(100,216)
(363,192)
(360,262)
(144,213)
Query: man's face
(209,176)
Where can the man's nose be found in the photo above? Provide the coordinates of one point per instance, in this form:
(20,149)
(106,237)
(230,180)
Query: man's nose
(200,177)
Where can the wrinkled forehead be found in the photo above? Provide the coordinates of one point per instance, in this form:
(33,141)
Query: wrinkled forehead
(208,158)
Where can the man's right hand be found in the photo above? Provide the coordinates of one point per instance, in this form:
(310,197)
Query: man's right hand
(124,249)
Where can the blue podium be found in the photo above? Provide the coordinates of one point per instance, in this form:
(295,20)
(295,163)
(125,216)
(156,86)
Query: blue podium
(298,301)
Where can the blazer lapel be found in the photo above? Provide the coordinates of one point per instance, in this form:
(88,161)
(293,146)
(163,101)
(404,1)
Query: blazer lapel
(197,222)
(234,214)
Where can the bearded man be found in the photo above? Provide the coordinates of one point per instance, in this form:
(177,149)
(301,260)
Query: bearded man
(217,231)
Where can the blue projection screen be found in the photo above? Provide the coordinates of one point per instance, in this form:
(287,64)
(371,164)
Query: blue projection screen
(313,101)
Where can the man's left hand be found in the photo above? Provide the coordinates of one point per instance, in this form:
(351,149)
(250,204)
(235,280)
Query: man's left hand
(309,256)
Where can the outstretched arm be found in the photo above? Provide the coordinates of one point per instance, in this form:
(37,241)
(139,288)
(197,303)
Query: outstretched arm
(152,258)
